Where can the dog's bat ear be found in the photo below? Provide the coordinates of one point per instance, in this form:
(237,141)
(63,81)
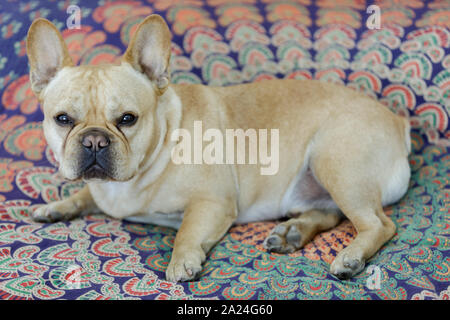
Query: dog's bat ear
(47,53)
(149,51)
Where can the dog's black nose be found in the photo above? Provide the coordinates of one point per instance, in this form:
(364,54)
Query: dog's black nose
(95,140)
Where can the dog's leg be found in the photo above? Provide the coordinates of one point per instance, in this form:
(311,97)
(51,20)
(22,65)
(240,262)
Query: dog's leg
(359,198)
(204,224)
(293,234)
(374,229)
(66,209)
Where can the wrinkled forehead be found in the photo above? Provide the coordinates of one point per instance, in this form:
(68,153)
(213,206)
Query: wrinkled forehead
(111,87)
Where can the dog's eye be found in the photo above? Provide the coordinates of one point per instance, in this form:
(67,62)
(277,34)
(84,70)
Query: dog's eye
(63,119)
(127,119)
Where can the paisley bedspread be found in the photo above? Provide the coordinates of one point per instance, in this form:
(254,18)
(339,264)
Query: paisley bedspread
(405,64)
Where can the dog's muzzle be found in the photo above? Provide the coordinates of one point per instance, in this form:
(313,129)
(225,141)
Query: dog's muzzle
(95,159)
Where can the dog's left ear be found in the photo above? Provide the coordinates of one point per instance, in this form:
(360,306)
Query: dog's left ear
(149,51)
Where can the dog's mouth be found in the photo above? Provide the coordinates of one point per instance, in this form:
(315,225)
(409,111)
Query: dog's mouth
(95,171)
(95,166)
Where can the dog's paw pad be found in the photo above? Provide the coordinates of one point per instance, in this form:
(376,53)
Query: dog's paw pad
(283,239)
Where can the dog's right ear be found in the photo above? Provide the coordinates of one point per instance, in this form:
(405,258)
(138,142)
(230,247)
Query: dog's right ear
(47,53)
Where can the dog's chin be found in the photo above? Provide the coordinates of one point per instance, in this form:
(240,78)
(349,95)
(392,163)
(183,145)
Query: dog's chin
(96,173)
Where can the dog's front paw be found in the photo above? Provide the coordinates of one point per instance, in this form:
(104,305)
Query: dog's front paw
(55,211)
(185,266)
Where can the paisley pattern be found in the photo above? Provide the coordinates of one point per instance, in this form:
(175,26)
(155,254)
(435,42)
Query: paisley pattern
(405,65)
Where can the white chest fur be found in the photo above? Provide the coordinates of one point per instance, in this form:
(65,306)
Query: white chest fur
(117,199)
(125,200)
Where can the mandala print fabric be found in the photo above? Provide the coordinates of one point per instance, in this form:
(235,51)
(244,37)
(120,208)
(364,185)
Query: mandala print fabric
(405,64)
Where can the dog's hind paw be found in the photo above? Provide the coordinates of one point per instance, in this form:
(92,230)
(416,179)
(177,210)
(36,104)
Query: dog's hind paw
(284,239)
(346,266)
(184,267)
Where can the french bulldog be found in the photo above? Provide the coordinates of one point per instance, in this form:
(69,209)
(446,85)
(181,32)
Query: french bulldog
(341,153)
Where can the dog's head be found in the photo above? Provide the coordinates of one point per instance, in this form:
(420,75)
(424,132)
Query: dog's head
(100,121)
